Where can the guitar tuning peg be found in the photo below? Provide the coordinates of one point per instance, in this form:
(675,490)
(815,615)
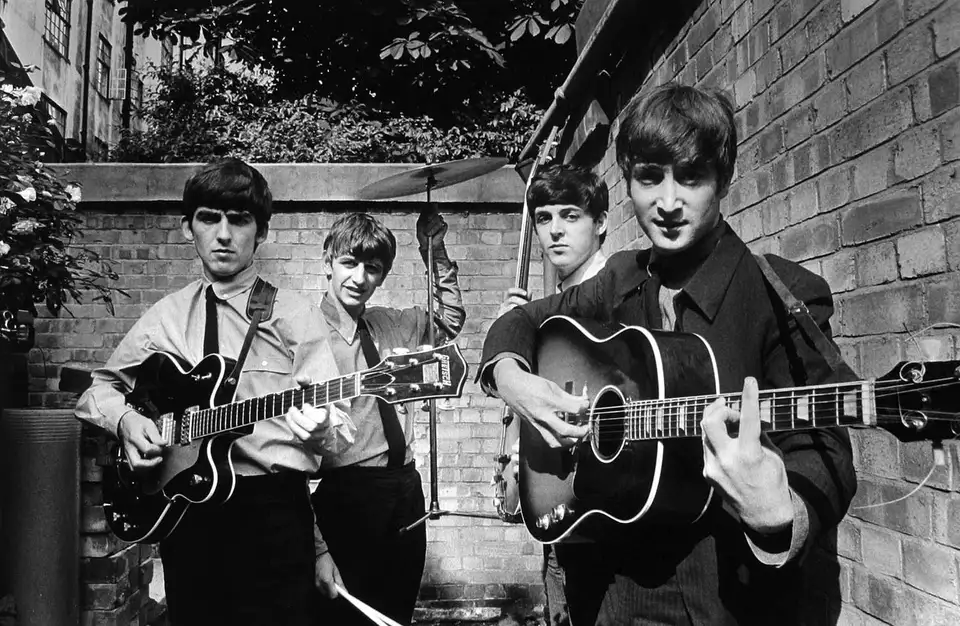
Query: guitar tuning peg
(400,350)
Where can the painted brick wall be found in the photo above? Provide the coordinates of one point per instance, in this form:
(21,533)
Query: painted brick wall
(476,568)
(848,113)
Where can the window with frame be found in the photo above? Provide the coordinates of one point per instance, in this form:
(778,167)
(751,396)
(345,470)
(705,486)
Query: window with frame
(56,28)
(104,50)
(56,114)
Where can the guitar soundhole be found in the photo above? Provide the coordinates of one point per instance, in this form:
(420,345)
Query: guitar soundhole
(607,424)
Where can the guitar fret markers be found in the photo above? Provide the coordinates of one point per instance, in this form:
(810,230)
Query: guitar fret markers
(779,409)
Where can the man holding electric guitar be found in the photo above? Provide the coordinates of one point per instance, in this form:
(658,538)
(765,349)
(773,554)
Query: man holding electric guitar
(720,521)
(250,560)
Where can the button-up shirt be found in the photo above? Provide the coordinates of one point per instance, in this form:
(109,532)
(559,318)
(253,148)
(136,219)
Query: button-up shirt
(287,345)
(390,328)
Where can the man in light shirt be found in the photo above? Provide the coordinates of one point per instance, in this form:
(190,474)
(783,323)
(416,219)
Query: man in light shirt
(252,559)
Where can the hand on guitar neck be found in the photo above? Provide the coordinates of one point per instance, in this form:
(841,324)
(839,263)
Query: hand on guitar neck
(542,403)
(141,441)
(745,465)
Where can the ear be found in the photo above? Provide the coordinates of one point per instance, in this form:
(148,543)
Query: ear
(327,265)
(601,223)
(723,191)
(186,228)
(262,235)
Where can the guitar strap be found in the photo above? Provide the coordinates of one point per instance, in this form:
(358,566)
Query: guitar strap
(796,308)
(259,309)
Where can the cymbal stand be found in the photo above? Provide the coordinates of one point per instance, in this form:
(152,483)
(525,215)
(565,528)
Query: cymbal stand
(435,512)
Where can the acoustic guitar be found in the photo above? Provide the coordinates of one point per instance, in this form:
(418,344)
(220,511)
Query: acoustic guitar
(198,419)
(648,387)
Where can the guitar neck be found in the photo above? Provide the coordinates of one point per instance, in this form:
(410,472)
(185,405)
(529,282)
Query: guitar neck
(797,408)
(227,417)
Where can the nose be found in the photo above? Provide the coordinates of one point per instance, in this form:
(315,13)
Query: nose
(556,227)
(667,201)
(223,231)
(356,276)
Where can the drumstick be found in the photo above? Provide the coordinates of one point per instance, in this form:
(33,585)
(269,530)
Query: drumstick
(374,615)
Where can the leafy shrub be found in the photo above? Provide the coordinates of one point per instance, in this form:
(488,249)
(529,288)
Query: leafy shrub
(196,115)
(38,261)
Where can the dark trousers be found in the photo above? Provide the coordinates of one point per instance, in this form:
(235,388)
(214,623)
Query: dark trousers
(360,511)
(248,561)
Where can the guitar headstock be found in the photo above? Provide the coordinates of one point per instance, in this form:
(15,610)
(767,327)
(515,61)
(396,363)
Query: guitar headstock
(429,373)
(920,400)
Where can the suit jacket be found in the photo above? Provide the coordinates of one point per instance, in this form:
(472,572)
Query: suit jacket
(730,304)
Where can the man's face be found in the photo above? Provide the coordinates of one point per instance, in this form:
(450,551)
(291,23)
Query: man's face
(675,206)
(353,281)
(568,235)
(225,240)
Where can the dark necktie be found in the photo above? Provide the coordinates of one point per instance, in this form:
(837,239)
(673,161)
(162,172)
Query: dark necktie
(396,443)
(211,339)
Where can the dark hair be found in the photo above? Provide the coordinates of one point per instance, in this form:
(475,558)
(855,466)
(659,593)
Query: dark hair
(229,184)
(363,237)
(678,124)
(569,184)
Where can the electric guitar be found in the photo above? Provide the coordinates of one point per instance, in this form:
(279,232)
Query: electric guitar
(649,386)
(198,419)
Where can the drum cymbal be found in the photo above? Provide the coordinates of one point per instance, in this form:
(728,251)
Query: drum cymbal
(432,176)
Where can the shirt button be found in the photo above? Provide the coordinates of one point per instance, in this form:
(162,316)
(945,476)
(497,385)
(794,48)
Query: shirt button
(264,364)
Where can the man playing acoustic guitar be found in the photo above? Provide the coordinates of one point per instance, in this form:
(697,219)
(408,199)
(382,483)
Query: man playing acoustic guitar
(250,560)
(738,560)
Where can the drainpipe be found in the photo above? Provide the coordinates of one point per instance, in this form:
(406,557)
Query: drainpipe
(128,66)
(85,108)
(583,73)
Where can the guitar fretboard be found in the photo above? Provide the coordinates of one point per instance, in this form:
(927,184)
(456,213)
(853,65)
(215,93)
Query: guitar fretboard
(227,417)
(796,408)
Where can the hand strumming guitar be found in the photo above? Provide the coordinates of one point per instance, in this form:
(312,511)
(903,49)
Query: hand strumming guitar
(141,441)
(746,466)
(540,402)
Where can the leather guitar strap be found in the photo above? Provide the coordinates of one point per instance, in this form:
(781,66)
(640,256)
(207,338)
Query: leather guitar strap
(801,313)
(259,309)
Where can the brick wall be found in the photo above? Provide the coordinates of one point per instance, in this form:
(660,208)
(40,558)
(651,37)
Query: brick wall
(476,568)
(848,113)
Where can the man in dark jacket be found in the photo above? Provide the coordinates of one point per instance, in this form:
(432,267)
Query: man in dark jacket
(739,562)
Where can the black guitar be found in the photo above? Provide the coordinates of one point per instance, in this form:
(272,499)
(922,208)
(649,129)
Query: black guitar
(648,386)
(195,415)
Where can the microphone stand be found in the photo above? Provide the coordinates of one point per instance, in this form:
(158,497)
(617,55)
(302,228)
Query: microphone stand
(435,512)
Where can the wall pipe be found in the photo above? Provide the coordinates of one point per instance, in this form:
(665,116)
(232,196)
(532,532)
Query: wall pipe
(583,73)
(85,108)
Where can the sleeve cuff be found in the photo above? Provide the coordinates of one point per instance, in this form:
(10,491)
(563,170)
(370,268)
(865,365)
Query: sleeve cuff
(778,549)
(487,383)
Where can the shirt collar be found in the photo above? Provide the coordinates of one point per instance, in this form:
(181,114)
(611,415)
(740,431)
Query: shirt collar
(709,284)
(337,317)
(239,283)
(588,269)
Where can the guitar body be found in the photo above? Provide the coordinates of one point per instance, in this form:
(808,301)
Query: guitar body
(146,507)
(565,492)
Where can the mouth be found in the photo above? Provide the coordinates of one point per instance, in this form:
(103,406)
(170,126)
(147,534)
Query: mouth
(223,252)
(671,225)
